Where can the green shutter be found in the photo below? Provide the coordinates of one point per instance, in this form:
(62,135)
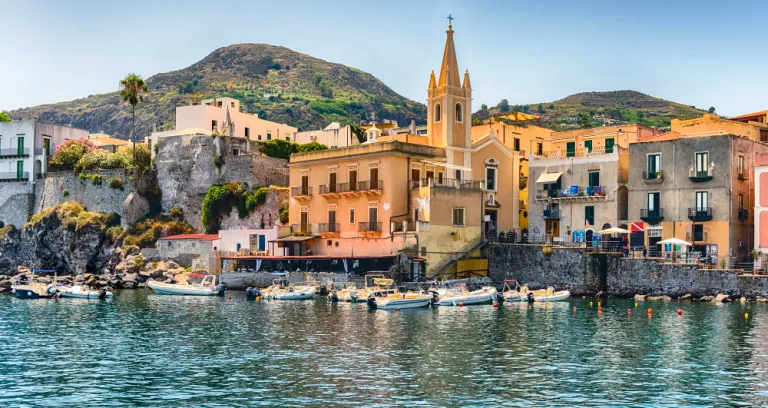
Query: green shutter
(20,169)
(587,146)
(589,214)
(570,149)
(20,143)
(609,145)
(594,178)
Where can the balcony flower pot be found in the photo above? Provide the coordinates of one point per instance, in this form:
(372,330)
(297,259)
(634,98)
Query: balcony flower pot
(659,175)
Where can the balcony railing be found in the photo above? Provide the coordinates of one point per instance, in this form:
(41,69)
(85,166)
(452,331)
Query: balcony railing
(743,214)
(652,217)
(328,189)
(301,191)
(700,213)
(581,152)
(653,176)
(370,185)
(552,214)
(329,227)
(301,229)
(15,152)
(451,183)
(573,192)
(346,187)
(698,176)
(369,226)
(14,176)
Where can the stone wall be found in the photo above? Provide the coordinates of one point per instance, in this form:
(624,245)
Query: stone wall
(185,170)
(16,202)
(101,198)
(268,213)
(182,251)
(587,274)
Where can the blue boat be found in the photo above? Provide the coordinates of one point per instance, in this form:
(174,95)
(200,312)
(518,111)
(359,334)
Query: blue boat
(34,289)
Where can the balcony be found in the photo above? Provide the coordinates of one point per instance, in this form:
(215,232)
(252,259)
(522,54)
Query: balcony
(552,214)
(301,229)
(14,176)
(700,214)
(578,153)
(369,228)
(653,177)
(329,190)
(742,176)
(375,187)
(328,230)
(574,193)
(301,193)
(15,152)
(652,217)
(449,183)
(743,214)
(700,176)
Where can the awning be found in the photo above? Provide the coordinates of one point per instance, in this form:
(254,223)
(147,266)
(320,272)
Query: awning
(548,177)
(293,238)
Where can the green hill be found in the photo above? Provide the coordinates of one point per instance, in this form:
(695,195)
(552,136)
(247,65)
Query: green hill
(279,84)
(621,106)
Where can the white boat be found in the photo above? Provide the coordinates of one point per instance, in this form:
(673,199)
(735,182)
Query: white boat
(460,296)
(282,290)
(206,287)
(348,294)
(551,296)
(34,289)
(519,293)
(400,301)
(83,292)
(376,285)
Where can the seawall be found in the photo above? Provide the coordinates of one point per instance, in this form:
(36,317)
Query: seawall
(586,274)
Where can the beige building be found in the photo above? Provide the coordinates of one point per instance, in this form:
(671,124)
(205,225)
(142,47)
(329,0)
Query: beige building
(333,136)
(224,116)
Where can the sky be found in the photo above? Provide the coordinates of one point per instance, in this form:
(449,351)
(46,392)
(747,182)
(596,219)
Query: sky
(701,53)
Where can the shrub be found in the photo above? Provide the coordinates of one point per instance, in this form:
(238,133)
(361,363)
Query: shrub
(7,229)
(283,149)
(220,200)
(140,262)
(65,193)
(115,234)
(284,214)
(176,213)
(82,176)
(218,161)
(96,179)
(70,152)
(131,250)
(116,183)
(311,147)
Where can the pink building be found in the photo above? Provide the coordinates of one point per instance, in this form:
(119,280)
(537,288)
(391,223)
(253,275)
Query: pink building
(761,209)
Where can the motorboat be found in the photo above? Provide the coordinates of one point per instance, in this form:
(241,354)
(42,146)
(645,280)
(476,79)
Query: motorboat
(514,292)
(281,289)
(375,285)
(550,295)
(461,296)
(34,289)
(206,287)
(383,295)
(343,295)
(83,292)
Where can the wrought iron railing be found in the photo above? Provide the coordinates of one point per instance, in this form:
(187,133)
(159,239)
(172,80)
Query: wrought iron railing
(329,227)
(301,191)
(369,226)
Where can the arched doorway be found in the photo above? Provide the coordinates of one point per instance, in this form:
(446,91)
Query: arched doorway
(38,169)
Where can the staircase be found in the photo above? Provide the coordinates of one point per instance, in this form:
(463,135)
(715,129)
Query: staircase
(442,268)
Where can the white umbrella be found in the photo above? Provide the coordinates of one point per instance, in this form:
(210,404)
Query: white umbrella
(614,230)
(674,241)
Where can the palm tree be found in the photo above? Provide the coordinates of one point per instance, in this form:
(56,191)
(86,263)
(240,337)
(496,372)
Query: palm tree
(133,92)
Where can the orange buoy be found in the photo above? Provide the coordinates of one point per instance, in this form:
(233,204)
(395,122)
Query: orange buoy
(629,311)
(530,307)
(496,305)
(461,304)
(599,309)
(574,308)
(650,311)
(229,297)
(679,312)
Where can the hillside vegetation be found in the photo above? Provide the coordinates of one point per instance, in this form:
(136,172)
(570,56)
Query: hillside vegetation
(279,84)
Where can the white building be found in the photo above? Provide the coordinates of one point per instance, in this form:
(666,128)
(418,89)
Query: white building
(252,240)
(334,135)
(25,146)
(211,115)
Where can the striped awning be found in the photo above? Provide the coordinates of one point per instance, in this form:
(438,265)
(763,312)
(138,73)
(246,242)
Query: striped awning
(548,178)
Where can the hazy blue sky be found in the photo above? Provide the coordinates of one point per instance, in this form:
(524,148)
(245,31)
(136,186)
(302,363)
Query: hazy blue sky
(702,53)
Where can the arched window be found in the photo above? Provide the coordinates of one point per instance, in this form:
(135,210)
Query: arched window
(437,113)
(459,113)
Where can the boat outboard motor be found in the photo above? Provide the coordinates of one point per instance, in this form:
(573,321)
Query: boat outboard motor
(500,296)
(372,302)
(52,290)
(530,297)
(333,296)
(220,288)
(102,293)
(252,293)
(435,298)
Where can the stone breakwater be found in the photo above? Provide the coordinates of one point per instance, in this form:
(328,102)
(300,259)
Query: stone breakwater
(587,274)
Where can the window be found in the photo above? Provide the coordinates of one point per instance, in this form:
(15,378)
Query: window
(374,178)
(594,178)
(587,146)
(698,232)
(304,226)
(247,132)
(332,221)
(459,113)
(235,152)
(20,144)
(654,166)
(20,169)
(654,201)
(741,166)
(269,135)
(570,149)
(609,145)
(490,178)
(702,201)
(517,144)
(415,214)
(332,182)
(702,162)
(353,180)
(351,215)
(589,214)
(304,185)
(288,138)
(430,174)
(47,145)
(437,112)
(741,201)
(213,126)
(233,104)
(540,149)
(458,175)
(259,137)
(373,218)
(458,217)
(415,174)
(439,177)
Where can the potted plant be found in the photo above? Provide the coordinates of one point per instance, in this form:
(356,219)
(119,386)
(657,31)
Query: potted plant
(659,175)
(755,254)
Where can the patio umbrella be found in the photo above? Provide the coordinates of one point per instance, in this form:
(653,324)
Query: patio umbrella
(613,230)
(674,241)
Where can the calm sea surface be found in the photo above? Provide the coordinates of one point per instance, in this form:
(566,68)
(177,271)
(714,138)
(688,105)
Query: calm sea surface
(146,350)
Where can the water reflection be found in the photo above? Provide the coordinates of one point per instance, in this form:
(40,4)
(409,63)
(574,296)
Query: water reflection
(141,349)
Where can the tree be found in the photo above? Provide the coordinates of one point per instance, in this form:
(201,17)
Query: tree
(483,107)
(711,109)
(584,120)
(540,109)
(133,92)
(503,106)
(4,117)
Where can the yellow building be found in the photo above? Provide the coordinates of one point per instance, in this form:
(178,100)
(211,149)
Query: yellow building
(433,195)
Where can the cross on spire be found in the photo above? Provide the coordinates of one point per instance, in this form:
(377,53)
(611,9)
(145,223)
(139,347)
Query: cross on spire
(450,20)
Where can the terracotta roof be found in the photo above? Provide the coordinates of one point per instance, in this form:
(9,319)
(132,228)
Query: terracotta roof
(749,115)
(199,237)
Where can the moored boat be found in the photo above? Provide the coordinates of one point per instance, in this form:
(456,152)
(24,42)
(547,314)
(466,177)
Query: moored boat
(461,296)
(83,292)
(383,295)
(550,295)
(282,290)
(513,292)
(206,287)
(34,289)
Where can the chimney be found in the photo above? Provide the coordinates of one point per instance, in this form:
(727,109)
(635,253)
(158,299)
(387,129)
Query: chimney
(413,126)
